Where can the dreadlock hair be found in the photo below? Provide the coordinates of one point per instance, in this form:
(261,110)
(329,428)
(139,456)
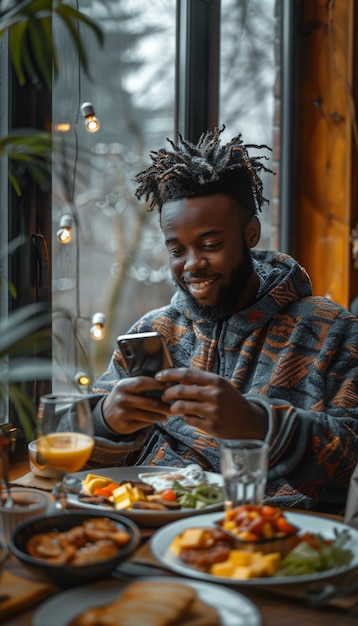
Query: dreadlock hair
(204,169)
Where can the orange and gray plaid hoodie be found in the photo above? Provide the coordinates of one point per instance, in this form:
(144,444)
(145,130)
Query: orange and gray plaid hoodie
(293,353)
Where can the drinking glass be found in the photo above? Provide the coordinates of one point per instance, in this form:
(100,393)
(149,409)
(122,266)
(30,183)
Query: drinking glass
(65,433)
(244,466)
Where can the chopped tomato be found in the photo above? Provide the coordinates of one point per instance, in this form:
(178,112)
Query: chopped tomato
(106,491)
(168,494)
(284,526)
(313,540)
(262,521)
(270,511)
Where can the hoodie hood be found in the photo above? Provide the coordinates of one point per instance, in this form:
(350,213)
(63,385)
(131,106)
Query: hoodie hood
(282,282)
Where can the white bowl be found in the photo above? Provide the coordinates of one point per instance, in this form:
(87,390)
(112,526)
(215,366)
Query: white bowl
(35,466)
(28,503)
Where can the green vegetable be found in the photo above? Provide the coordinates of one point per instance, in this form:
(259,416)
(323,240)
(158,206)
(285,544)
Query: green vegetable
(304,559)
(187,500)
(209,493)
(200,496)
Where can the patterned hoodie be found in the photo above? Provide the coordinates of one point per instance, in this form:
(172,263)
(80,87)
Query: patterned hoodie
(292,353)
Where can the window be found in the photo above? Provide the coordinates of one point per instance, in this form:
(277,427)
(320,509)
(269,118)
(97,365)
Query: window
(249,65)
(116,262)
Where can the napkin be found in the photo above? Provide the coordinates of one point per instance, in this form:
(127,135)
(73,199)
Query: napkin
(32,480)
(22,594)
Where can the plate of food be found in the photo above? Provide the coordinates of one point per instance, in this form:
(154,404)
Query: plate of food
(150,496)
(206,548)
(154,600)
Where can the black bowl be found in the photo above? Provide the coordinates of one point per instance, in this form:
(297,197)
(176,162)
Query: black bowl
(67,575)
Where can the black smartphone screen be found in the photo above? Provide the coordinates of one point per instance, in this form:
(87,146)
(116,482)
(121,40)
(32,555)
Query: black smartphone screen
(145,354)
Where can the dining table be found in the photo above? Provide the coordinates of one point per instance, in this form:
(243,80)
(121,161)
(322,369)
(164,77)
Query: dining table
(277,606)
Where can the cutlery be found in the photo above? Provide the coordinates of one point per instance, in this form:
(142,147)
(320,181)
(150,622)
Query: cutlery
(128,570)
(324,594)
(69,484)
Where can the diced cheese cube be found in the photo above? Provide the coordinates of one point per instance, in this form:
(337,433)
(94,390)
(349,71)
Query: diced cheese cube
(123,503)
(175,545)
(94,481)
(122,490)
(242,573)
(122,497)
(225,568)
(240,557)
(258,565)
(137,494)
(193,538)
(273,562)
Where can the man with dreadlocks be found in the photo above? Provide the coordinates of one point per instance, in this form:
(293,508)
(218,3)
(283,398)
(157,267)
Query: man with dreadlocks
(255,354)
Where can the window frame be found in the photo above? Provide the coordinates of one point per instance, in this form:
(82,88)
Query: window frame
(196,109)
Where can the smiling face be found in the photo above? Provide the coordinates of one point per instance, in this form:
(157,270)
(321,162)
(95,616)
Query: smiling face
(209,243)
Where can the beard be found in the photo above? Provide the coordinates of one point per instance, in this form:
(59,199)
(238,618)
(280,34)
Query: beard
(229,295)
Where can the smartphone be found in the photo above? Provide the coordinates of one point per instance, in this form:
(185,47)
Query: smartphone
(145,354)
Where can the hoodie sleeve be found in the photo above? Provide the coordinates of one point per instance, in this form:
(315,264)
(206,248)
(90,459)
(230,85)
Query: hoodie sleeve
(315,450)
(111,449)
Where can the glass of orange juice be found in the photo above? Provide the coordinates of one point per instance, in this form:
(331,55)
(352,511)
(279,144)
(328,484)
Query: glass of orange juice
(65,433)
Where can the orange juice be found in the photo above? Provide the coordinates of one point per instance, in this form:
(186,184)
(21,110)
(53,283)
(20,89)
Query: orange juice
(66,452)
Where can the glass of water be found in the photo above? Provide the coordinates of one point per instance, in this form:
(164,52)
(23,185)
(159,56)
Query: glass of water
(244,466)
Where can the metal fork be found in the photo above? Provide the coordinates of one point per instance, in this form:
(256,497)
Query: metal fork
(324,594)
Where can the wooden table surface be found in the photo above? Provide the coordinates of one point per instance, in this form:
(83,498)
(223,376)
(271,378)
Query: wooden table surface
(276,610)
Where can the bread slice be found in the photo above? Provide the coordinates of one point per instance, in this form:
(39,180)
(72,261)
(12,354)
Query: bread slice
(201,614)
(152,604)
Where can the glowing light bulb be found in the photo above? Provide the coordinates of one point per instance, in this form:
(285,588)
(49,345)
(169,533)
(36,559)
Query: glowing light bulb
(91,122)
(83,380)
(64,233)
(97,329)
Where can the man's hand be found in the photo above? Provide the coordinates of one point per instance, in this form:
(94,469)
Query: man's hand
(209,402)
(127,410)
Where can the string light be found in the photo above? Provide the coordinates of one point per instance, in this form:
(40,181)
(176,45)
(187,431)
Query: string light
(91,122)
(64,233)
(63,127)
(97,329)
(83,380)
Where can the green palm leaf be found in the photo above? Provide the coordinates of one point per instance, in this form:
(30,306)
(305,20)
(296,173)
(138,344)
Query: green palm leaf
(33,151)
(33,52)
(23,334)
(25,409)
(37,34)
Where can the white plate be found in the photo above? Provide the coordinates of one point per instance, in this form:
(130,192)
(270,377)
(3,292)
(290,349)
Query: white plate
(143,517)
(234,609)
(162,539)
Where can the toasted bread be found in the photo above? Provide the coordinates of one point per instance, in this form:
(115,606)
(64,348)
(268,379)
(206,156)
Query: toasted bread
(153,604)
